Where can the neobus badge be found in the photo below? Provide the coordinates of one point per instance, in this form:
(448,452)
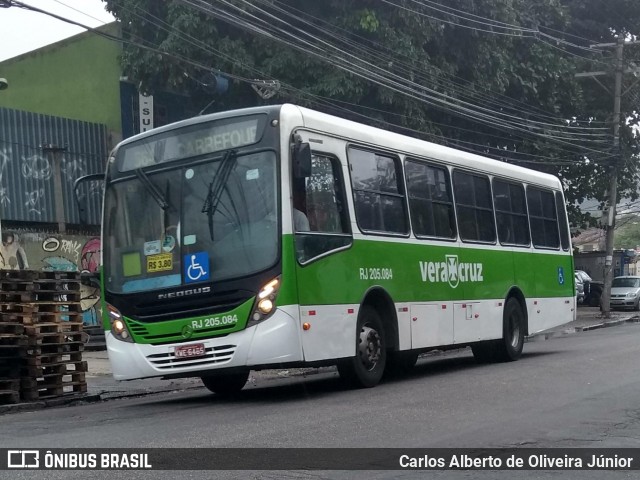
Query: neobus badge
(451,271)
(184,293)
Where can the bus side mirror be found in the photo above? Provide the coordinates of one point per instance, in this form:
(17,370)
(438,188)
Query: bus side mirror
(301,160)
(81,188)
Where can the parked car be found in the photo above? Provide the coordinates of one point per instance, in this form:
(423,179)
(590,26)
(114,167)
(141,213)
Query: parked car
(579,290)
(592,289)
(625,292)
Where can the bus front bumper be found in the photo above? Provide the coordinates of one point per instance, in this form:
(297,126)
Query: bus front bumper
(274,341)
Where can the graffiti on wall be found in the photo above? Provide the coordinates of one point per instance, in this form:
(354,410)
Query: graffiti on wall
(28,199)
(49,252)
(5,158)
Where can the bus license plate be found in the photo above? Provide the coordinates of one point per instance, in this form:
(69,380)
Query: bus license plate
(190,351)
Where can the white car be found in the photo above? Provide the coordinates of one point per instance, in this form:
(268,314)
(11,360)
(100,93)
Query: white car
(625,292)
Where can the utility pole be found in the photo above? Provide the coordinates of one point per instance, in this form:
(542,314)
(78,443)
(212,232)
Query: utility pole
(610,220)
(56,157)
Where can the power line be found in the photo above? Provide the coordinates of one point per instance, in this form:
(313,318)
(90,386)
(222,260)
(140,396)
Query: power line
(418,92)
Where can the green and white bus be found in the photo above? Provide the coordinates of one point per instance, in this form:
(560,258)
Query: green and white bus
(279,236)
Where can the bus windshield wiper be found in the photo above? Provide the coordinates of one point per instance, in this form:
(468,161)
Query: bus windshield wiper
(152,189)
(217,186)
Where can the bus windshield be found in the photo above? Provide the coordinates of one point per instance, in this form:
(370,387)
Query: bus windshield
(205,222)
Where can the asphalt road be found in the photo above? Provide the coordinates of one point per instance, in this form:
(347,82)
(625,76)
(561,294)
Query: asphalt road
(582,390)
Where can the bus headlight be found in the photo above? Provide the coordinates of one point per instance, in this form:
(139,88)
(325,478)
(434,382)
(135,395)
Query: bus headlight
(265,302)
(265,306)
(118,327)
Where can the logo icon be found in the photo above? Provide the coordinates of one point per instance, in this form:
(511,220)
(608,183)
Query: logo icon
(196,267)
(452,264)
(187,331)
(561,275)
(23,459)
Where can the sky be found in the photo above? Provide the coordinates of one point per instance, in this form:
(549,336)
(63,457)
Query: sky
(22,30)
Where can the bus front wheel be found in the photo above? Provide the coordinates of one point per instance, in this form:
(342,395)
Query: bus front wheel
(366,368)
(226,384)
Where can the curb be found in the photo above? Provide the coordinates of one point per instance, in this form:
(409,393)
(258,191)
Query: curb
(54,402)
(585,328)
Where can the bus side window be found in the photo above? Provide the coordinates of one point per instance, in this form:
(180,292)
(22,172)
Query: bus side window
(430,202)
(378,192)
(511,213)
(474,207)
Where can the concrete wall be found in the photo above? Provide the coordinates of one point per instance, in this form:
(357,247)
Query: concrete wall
(593,264)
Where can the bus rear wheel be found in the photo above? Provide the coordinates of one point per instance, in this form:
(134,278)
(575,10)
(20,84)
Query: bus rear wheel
(509,347)
(365,370)
(513,326)
(226,384)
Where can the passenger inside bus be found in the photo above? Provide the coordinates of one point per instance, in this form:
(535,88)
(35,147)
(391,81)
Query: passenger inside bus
(300,219)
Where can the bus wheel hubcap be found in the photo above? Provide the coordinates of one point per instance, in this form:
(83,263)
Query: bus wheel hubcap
(369,347)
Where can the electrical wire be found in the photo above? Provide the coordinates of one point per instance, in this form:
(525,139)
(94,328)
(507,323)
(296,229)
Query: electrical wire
(177,57)
(264,28)
(408,70)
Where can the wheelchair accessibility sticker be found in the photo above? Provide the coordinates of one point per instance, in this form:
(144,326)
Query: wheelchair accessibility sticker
(196,267)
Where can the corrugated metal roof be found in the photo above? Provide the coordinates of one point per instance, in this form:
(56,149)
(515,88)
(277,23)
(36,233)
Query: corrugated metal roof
(27,164)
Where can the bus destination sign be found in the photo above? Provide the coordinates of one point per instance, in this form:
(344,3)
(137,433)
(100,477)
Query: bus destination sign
(191,141)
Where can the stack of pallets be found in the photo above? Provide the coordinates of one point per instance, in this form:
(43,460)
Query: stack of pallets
(45,308)
(13,345)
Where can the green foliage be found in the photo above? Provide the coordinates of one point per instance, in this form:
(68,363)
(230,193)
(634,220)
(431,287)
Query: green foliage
(468,65)
(627,232)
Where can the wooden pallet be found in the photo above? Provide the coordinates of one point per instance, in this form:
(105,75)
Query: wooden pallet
(52,385)
(10,368)
(60,306)
(33,275)
(41,335)
(58,368)
(54,296)
(9,384)
(9,396)
(44,360)
(52,327)
(15,285)
(32,318)
(13,328)
(9,390)
(11,339)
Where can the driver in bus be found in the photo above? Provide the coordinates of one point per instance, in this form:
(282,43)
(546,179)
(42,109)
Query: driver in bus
(300,220)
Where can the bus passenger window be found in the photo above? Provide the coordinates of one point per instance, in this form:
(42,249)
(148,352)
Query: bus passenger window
(511,213)
(430,203)
(474,207)
(378,192)
(543,218)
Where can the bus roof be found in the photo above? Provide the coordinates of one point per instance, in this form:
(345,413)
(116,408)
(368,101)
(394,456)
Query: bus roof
(373,136)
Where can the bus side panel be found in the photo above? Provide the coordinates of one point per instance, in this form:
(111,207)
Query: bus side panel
(332,331)
(555,291)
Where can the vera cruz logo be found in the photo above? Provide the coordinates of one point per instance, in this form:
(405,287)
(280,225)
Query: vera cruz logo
(451,271)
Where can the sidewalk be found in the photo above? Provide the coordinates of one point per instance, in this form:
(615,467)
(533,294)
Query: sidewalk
(102,386)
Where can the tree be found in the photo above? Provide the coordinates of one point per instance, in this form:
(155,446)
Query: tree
(628,233)
(447,73)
